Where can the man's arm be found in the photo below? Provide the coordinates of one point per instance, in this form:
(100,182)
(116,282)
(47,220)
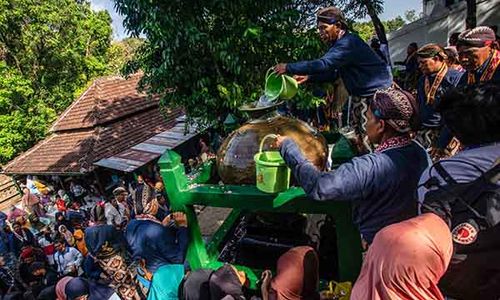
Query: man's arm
(336,57)
(347,183)
(78,257)
(329,76)
(183,240)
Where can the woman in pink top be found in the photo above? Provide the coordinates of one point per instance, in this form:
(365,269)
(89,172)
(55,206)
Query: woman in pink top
(31,202)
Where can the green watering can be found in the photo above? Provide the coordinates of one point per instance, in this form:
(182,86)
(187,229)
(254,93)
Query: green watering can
(278,86)
(273,176)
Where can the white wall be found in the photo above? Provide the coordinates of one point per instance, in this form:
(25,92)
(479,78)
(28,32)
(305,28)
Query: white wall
(439,25)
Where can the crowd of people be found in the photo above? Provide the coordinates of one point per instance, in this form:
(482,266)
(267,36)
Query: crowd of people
(430,155)
(423,191)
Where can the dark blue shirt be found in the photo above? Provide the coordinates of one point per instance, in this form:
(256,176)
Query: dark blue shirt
(429,117)
(362,71)
(4,243)
(382,186)
(157,244)
(479,72)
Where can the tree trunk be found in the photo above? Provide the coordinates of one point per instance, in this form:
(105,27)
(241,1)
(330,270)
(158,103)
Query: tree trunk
(470,21)
(379,27)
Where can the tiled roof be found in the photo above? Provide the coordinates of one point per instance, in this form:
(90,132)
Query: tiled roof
(107,99)
(108,118)
(76,151)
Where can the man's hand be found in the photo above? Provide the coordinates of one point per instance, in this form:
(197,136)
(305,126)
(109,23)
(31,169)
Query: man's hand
(280,69)
(265,278)
(301,78)
(280,139)
(180,219)
(437,153)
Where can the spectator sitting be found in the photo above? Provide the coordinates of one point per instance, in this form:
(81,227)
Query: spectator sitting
(65,197)
(61,220)
(78,192)
(163,209)
(113,215)
(76,217)
(224,283)
(28,256)
(77,288)
(297,276)
(80,242)
(68,259)
(47,243)
(31,202)
(21,237)
(43,277)
(8,283)
(67,235)
(14,213)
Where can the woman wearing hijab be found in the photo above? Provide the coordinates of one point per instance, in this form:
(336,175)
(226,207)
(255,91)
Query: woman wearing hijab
(381,185)
(20,238)
(80,242)
(297,276)
(227,283)
(78,288)
(406,261)
(61,220)
(104,244)
(154,243)
(67,235)
(206,284)
(196,285)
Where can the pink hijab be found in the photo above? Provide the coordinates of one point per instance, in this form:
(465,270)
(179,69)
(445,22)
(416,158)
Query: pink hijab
(61,287)
(297,275)
(406,261)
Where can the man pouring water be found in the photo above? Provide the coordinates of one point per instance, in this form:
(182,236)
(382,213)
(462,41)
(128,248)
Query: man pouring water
(362,71)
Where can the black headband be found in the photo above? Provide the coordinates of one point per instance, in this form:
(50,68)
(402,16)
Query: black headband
(328,20)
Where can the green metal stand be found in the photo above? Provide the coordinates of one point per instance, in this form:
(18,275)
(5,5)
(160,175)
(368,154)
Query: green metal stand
(185,191)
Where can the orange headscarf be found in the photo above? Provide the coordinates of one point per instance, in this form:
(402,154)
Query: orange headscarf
(80,242)
(406,261)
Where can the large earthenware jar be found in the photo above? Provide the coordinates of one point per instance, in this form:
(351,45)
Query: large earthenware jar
(235,162)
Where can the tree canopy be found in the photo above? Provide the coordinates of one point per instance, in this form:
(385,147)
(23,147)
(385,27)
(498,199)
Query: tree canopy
(214,54)
(49,51)
(366,30)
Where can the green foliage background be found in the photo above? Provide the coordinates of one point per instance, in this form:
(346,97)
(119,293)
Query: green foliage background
(215,54)
(49,52)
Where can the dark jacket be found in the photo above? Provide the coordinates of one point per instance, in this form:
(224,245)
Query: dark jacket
(429,117)
(96,236)
(361,69)
(381,186)
(16,244)
(479,72)
(157,244)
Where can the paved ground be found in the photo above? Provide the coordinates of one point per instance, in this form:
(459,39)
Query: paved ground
(210,218)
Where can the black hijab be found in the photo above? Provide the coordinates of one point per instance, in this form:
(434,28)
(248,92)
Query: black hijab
(225,284)
(196,285)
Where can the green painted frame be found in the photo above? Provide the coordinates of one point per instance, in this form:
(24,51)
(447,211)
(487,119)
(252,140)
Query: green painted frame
(186,190)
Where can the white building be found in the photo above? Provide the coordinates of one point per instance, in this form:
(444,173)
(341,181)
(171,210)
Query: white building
(440,19)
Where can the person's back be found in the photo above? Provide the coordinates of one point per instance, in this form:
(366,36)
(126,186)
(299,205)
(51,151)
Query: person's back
(158,245)
(473,116)
(102,234)
(381,185)
(390,185)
